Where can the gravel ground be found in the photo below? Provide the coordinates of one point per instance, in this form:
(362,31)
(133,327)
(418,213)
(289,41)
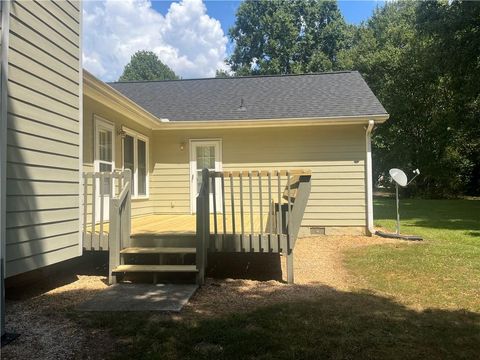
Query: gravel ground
(47,333)
(318,267)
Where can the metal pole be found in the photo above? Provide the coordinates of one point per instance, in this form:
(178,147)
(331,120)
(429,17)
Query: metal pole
(398,212)
(2,301)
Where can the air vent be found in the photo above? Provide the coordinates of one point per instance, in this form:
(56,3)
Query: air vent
(316,230)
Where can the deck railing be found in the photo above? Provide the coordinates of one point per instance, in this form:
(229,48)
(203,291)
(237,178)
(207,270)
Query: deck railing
(98,189)
(203,227)
(253,211)
(120,224)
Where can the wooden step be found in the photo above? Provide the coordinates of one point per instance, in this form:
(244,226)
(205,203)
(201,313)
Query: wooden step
(155,268)
(159,250)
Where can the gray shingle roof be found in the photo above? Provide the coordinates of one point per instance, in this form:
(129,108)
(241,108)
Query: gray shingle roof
(261,97)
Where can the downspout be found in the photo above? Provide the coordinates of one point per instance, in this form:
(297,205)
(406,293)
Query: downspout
(369,190)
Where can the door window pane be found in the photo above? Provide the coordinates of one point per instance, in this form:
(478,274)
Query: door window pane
(142,167)
(128,157)
(205,157)
(105,145)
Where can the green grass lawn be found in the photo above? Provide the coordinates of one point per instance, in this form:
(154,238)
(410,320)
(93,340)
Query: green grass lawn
(443,271)
(333,325)
(440,276)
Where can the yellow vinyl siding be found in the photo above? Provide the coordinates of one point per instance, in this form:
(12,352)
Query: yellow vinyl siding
(35,51)
(26,234)
(335,154)
(32,262)
(43,135)
(43,116)
(25,125)
(30,14)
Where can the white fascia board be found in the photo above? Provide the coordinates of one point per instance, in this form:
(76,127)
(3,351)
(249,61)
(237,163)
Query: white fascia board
(108,96)
(265,123)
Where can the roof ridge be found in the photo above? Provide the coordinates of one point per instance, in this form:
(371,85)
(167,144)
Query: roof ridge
(236,77)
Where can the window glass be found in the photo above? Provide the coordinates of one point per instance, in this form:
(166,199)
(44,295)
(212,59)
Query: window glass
(128,157)
(105,145)
(206,157)
(142,167)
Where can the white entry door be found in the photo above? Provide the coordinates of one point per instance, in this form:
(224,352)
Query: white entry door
(204,154)
(104,155)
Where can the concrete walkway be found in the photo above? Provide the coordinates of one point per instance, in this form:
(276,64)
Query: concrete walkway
(141,297)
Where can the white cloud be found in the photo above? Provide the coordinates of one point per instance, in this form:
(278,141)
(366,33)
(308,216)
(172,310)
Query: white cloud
(186,38)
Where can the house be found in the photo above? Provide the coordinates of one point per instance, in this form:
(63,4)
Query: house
(315,121)
(80,158)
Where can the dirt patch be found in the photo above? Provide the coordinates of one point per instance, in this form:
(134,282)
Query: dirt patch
(48,333)
(45,330)
(318,264)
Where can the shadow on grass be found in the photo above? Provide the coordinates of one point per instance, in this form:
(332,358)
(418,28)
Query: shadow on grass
(244,319)
(439,214)
(300,322)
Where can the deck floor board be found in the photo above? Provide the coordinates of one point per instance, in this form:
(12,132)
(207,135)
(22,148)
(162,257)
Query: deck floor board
(184,224)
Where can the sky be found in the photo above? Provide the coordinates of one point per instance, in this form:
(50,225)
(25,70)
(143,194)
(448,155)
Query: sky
(190,36)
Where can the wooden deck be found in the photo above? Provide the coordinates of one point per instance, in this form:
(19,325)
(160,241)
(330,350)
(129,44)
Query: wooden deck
(168,224)
(161,224)
(186,224)
(183,224)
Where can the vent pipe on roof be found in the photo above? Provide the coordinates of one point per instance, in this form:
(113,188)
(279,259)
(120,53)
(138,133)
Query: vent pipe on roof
(164,120)
(242,105)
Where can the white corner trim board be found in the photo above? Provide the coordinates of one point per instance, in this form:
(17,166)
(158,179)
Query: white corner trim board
(5,18)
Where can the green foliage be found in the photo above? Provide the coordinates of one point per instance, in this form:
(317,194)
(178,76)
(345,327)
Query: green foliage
(222,74)
(145,65)
(283,37)
(420,59)
(408,53)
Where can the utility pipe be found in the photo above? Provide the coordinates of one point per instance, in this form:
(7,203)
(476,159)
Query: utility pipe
(368,143)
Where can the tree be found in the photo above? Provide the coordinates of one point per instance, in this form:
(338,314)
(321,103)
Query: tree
(421,61)
(453,51)
(145,65)
(222,74)
(283,37)
(419,58)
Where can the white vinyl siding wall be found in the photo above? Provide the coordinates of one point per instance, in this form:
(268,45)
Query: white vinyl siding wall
(43,134)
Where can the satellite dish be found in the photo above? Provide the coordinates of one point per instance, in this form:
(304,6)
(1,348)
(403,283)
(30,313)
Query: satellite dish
(399,177)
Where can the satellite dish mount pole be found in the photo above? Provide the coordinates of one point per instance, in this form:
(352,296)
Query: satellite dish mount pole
(398,212)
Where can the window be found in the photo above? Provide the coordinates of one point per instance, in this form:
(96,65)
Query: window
(135,158)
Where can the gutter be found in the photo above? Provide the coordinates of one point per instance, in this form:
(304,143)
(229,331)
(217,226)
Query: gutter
(369,185)
(265,123)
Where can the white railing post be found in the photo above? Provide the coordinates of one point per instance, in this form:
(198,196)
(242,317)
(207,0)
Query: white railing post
(127,218)
(120,224)
(203,226)
(114,235)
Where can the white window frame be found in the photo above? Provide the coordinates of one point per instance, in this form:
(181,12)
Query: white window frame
(137,136)
(101,122)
